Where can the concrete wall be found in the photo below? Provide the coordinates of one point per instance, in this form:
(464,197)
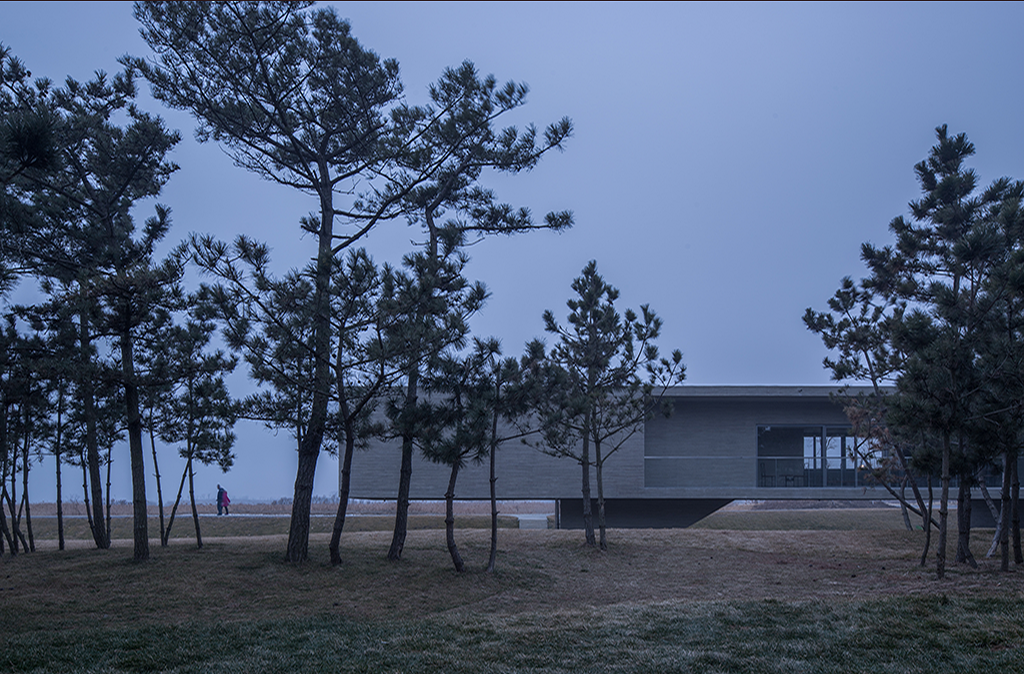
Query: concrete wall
(523,472)
(709,443)
(707,449)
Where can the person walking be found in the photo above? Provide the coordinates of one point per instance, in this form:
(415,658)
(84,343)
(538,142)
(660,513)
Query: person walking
(221,496)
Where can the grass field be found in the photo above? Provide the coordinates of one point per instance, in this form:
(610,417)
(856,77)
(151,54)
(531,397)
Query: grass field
(841,592)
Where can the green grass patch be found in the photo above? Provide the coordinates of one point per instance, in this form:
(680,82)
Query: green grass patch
(898,635)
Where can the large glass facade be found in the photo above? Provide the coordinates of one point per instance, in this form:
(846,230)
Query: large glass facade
(808,456)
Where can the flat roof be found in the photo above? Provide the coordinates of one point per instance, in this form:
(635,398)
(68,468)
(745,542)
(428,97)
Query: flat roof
(765,391)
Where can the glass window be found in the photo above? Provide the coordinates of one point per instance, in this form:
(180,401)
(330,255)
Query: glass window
(805,456)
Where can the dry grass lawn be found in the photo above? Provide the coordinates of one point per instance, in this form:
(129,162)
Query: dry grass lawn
(842,593)
(243,578)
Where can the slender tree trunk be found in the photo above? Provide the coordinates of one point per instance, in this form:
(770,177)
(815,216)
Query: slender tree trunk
(192,499)
(177,502)
(346,420)
(3,525)
(993,510)
(101,535)
(156,474)
(987,497)
(56,460)
(140,515)
(16,525)
(963,516)
(346,483)
(940,552)
(1018,556)
(405,476)
(60,505)
(12,498)
(599,466)
(998,514)
(898,451)
(1003,528)
(927,517)
(85,493)
(493,558)
(25,508)
(12,503)
(8,468)
(904,510)
(110,461)
(8,533)
(25,465)
(449,519)
(588,515)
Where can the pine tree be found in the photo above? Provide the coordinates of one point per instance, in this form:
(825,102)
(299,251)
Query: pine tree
(936,313)
(294,98)
(604,379)
(85,235)
(455,142)
(198,413)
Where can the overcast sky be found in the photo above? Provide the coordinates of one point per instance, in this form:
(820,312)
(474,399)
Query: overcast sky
(727,163)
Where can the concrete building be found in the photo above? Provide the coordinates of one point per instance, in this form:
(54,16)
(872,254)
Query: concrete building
(721,443)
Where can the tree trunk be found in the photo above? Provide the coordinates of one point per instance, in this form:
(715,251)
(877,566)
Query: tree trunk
(599,466)
(903,505)
(963,516)
(101,535)
(493,558)
(588,419)
(25,464)
(85,493)
(449,519)
(60,504)
(4,496)
(912,480)
(16,524)
(4,529)
(56,460)
(346,483)
(192,499)
(1003,528)
(927,517)
(998,514)
(405,476)
(402,503)
(140,515)
(309,448)
(110,462)
(177,502)
(987,497)
(298,530)
(588,515)
(940,552)
(1018,556)
(156,474)
(12,496)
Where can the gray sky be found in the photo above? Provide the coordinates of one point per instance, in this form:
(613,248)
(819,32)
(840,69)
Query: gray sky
(728,159)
